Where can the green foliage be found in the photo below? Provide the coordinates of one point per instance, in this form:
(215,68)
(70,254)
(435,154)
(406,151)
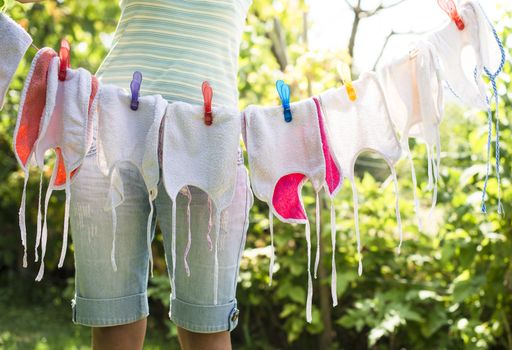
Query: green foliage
(450,287)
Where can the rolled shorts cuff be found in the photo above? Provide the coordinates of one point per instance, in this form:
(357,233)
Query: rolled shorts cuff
(109,312)
(204,318)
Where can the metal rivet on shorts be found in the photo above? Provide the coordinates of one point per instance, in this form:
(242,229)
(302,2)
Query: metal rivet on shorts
(235,315)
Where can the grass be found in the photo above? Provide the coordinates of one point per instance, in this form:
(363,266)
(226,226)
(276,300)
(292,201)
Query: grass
(43,322)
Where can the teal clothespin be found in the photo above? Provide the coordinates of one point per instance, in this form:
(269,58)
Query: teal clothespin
(283,90)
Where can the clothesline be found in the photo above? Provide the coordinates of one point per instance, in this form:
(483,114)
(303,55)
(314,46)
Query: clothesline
(317,139)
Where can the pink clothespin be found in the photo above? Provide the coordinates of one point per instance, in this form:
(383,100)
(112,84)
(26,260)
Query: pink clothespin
(64,59)
(449,7)
(207,96)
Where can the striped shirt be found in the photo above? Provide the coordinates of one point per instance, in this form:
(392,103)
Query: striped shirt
(176,45)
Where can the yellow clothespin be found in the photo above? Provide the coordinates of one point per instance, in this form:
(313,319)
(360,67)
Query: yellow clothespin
(346,78)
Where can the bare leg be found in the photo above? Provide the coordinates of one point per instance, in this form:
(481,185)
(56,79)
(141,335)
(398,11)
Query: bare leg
(123,337)
(198,341)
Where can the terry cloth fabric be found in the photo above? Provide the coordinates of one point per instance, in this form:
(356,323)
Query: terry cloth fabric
(467,85)
(68,131)
(204,156)
(358,126)
(37,102)
(450,42)
(14,41)
(282,157)
(121,138)
(413,89)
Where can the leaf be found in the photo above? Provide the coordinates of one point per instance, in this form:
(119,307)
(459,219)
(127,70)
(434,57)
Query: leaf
(298,294)
(436,318)
(406,313)
(287,310)
(465,288)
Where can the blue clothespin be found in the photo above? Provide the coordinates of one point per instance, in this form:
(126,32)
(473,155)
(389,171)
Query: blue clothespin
(283,90)
(135,88)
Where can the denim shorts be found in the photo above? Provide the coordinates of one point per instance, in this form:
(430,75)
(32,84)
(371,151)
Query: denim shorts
(104,297)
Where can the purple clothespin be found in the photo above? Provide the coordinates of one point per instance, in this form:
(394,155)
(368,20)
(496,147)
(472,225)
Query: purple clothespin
(135,88)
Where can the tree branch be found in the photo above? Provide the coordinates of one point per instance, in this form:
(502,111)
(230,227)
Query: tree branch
(386,41)
(349,5)
(382,7)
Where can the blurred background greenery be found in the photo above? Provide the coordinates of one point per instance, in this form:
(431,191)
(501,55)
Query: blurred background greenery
(450,288)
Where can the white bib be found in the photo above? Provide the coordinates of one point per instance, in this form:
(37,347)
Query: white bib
(450,43)
(413,88)
(14,41)
(358,126)
(282,157)
(68,131)
(37,102)
(122,135)
(200,155)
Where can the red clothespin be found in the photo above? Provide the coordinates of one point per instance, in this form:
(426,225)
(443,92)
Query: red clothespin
(64,59)
(449,7)
(207,96)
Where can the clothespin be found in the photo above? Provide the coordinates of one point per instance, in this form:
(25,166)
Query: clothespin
(135,89)
(346,78)
(449,7)
(413,52)
(64,59)
(207,97)
(283,90)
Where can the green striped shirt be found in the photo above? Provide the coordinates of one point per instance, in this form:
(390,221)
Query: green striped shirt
(176,45)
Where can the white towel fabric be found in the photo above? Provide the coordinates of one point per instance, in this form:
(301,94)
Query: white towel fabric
(37,102)
(14,43)
(200,155)
(122,135)
(450,43)
(68,131)
(413,89)
(282,157)
(358,126)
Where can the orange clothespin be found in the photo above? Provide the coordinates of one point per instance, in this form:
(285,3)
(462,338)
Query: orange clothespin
(207,96)
(449,7)
(346,78)
(64,59)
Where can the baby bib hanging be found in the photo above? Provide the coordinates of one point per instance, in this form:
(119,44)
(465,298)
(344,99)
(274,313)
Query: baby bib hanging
(469,87)
(118,126)
(68,131)
(282,156)
(194,153)
(37,102)
(357,126)
(413,89)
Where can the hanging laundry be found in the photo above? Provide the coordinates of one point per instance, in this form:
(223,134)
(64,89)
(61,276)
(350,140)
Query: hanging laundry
(37,102)
(282,157)
(489,54)
(205,156)
(413,89)
(358,126)
(14,41)
(68,131)
(450,45)
(121,138)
